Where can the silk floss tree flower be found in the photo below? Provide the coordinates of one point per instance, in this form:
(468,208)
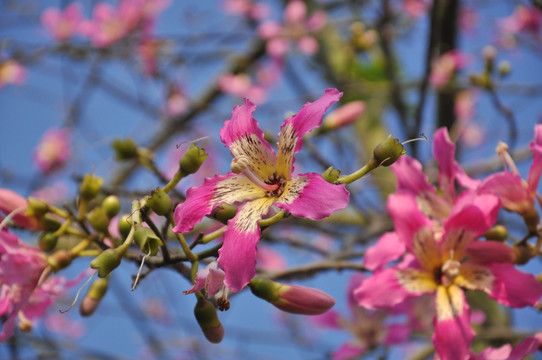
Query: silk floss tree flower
(261,180)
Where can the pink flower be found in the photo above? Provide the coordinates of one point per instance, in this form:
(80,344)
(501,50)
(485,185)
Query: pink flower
(296,27)
(53,151)
(416,8)
(62,24)
(209,278)
(11,202)
(241,85)
(11,72)
(344,115)
(177,103)
(523,20)
(248,8)
(270,259)
(506,352)
(444,68)
(261,180)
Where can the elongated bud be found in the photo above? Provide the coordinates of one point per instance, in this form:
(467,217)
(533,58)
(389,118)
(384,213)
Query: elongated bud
(192,159)
(90,186)
(106,262)
(294,299)
(48,241)
(159,202)
(93,297)
(147,241)
(60,259)
(99,220)
(36,207)
(522,255)
(344,115)
(124,225)
(124,149)
(206,316)
(489,53)
(331,174)
(497,233)
(111,205)
(388,151)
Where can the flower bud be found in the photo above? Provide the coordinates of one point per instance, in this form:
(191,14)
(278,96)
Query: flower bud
(36,207)
(497,233)
(50,223)
(111,205)
(106,262)
(48,241)
(124,225)
(10,202)
(344,115)
(531,218)
(147,240)
(159,202)
(331,174)
(97,217)
(192,159)
(124,149)
(59,260)
(489,53)
(522,255)
(206,316)
(90,186)
(224,212)
(294,299)
(93,297)
(388,151)
(504,68)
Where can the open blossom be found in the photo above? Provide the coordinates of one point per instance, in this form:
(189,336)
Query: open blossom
(260,180)
(445,66)
(53,151)
(11,72)
(438,240)
(62,24)
(507,352)
(296,27)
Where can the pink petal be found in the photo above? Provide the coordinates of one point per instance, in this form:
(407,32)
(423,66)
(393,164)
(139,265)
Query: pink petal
(510,189)
(330,319)
(348,351)
(483,252)
(277,47)
(308,45)
(536,167)
(397,333)
(514,288)
(381,290)
(310,196)
(410,176)
(202,200)
(526,347)
(407,218)
(295,12)
(387,248)
(214,281)
(444,152)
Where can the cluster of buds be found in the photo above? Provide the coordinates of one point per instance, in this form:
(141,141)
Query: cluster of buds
(361,38)
(485,78)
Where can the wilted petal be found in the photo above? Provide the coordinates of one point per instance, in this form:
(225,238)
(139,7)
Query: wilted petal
(220,189)
(237,257)
(387,248)
(292,130)
(513,287)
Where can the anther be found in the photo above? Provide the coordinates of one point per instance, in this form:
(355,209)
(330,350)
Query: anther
(241,165)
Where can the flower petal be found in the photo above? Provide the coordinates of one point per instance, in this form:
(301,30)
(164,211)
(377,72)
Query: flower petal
(202,200)
(510,189)
(526,347)
(484,252)
(237,257)
(513,287)
(453,333)
(397,333)
(310,196)
(243,136)
(410,176)
(444,152)
(536,166)
(475,277)
(426,249)
(292,130)
(387,248)
(348,351)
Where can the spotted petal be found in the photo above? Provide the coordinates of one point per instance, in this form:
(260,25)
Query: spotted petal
(237,257)
(243,136)
(292,130)
(310,196)
(202,200)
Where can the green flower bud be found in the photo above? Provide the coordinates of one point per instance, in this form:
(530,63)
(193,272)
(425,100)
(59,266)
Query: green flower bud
(531,218)
(97,217)
(48,241)
(147,240)
(111,205)
(265,288)
(206,316)
(93,297)
(106,262)
(331,174)
(124,149)
(497,233)
(388,151)
(159,202)
(36,207)
(192,159)
(50,223)
(90,186)
(59,260)
(124,225)
(504,68)
(224,212)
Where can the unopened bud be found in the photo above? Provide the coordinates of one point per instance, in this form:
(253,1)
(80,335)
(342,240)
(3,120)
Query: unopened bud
(224,212)
(497,233)
(331,174)
(294,299)
(344,115)
(147,240)
(99,220)
(111,205)
(159,202)
(124,225)
(48,241)
(36,207)
(90,186)
(60,259)
(206,316)
(106,262)
(522,255)
(50,223)
(489,53)
(531,218)
(16,205)
(93,297)
(192,159)
(504,68)
(388,151)
(124,149)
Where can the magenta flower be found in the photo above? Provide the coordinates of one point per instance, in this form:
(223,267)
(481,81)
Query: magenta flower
(344,115)
(247,8)
(506,352)
(445,66)
(11,72)
(53,151)
(261,180)
(209,278)
(62,24)
(416,8)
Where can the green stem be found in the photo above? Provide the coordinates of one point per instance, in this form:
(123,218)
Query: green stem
(273,219)
(174,181)
(184,245)
(348,179)
(211,236)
